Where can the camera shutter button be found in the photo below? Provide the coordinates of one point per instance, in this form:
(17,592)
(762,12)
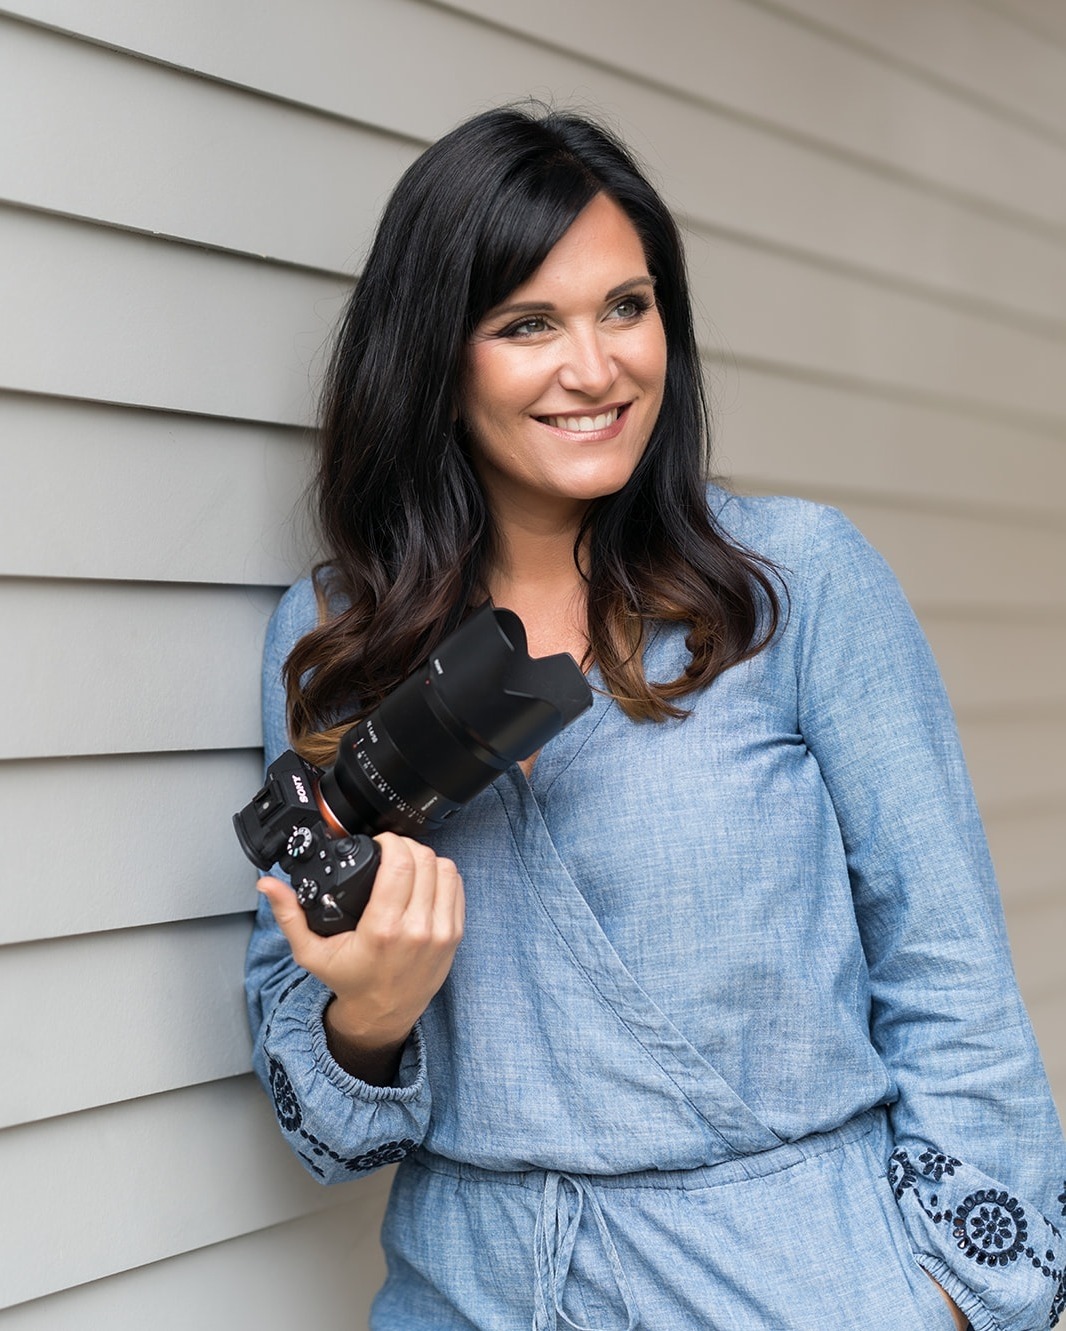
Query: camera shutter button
(344,845)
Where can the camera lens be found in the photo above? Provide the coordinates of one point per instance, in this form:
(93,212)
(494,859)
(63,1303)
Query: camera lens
(480,704)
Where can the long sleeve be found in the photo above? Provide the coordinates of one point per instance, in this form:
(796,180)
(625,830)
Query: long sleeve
(338,1125)
(979,1170)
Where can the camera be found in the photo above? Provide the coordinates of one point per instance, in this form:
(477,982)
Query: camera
(479,704)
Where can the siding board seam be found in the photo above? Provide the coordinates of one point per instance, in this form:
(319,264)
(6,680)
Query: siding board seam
(906,503)
(875,166)
(1041,425)
(1011,316)
(298,433)
(1023,21)
(145,586)
(920,73)
(246,1074)
(172,238)
(206,76)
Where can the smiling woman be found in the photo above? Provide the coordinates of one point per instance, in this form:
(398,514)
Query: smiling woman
(563,382)
(704,1016)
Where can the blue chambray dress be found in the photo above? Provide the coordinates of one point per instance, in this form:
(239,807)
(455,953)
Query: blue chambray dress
(732,1039)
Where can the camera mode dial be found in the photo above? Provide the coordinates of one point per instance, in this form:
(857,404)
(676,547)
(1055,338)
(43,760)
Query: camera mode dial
(300,843)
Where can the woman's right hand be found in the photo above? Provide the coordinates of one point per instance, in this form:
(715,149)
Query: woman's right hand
(384,972)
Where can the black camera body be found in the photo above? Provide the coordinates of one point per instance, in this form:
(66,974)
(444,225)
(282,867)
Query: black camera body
(332,875)
(478,705)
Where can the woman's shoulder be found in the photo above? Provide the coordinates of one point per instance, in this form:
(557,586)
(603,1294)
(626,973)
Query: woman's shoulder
(781,528)
(294,615)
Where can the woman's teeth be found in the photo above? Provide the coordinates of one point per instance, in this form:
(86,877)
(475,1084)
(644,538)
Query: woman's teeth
(582,424)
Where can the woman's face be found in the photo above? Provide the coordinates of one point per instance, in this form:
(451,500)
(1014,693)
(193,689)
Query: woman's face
(563,381)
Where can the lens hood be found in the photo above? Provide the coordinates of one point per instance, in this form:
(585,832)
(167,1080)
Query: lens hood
(480,703)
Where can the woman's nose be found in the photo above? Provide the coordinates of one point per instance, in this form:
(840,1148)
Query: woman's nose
(588,367)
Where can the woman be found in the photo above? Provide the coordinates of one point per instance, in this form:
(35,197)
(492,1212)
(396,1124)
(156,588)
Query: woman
(731,1038)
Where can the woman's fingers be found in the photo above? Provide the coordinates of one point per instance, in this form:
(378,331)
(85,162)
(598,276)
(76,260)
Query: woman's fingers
(414,893)
(459,909)
(447,921)
(305,943)
(394,884)
(287,910)
(430,883)
(384,972)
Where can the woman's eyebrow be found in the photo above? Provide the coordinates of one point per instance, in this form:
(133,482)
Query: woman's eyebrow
(644,280)
(536,306)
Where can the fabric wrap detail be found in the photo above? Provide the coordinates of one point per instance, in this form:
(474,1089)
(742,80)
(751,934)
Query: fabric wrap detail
(623,1002)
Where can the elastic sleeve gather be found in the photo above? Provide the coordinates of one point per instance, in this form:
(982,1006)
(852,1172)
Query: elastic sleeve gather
(339,1126)
(979,1169)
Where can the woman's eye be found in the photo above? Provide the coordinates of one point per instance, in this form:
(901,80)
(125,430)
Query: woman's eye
(526,327)
(632,307)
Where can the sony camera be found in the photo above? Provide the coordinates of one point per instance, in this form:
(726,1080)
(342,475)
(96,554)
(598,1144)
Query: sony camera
(479,704)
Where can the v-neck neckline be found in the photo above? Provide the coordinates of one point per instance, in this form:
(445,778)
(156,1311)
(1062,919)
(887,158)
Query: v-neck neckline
(557,755)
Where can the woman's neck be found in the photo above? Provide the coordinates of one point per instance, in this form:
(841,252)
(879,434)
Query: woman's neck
(536,576)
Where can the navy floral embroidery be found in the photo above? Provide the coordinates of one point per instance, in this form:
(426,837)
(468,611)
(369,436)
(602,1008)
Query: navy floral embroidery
(286,1105)
(1058,1303)
(990,1227)
(287,1108)
(1062,1198)
(901,1173)
(293,984)
(319,1173)
(390,1153)
(935,1165)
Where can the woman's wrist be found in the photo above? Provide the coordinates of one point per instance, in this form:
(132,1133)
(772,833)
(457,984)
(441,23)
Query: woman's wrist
(372,1056)
(961,1320)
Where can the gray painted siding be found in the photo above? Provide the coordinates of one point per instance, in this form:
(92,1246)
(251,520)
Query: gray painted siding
(876,200)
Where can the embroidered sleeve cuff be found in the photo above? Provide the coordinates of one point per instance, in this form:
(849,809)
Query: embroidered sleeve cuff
(997,1255)
(338,1125)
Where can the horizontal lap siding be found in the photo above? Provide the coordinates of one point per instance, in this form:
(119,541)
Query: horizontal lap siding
(1043,18)
(215,498)
(117,1187)
(100,313)
(989,58)
(755,63)
(786,191)
(879,262)
(224,1285)
(134,838)
(168,998)
(830,436)
(191,654)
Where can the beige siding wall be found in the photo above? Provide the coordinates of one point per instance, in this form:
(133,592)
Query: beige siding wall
(876,198)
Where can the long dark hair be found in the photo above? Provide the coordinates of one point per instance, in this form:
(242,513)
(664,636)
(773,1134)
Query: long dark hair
(406,528)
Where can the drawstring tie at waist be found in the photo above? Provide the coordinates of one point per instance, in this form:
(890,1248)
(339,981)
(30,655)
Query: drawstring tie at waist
(562,1205)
